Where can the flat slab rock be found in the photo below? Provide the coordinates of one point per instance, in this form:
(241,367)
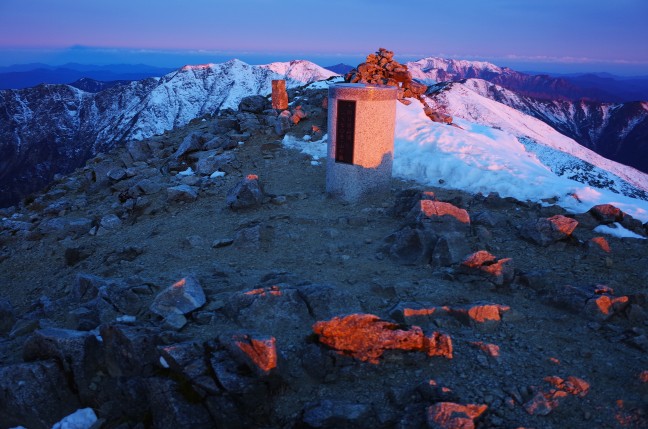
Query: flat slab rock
(366,337)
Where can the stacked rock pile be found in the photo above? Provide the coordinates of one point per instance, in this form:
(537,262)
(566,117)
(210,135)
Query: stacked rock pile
(380,68)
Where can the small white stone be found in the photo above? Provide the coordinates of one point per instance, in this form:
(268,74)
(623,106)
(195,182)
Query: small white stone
(163,362)
(306,138)
(241,143)
(216,174)
(188,172)
(315,163)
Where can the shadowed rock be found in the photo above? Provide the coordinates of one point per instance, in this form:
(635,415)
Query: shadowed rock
(545,231)
(606,213)
(184,296)
(329,414)
(483,263)
(247,193)
(35,395)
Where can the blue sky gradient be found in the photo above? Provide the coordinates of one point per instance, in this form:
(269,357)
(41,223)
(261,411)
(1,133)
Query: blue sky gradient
(543,35)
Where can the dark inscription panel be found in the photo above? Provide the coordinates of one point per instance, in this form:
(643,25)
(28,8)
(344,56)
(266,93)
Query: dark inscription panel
(345,131)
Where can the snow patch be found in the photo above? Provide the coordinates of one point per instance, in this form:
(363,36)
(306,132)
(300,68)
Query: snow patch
(617,231)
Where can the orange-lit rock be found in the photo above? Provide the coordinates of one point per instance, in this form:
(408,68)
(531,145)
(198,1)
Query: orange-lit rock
(643,376)
(573,385)
(606,213)
(412,312)
(485,313)
(438,344)
(546,231)
(491,350)
(543,403)
(366,336)
(546,401)
(605,306)
(265,291)
(563,224)
(630,418)
(482,262)
(449,415)
(261,352)
(432,209)
(601,243)
(606,303)
(479,259)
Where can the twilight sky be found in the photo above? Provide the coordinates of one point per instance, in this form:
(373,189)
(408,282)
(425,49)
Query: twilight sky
(542,35)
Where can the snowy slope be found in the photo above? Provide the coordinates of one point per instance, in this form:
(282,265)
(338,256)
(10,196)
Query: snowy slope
(481,158)
(193,91)
(564,155)
(52,129)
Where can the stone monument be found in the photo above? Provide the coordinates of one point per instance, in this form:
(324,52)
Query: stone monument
(361,123)
(279,95)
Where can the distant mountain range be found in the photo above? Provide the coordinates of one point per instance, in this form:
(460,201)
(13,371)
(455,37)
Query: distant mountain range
(607,88)
(55,128)
(28,75)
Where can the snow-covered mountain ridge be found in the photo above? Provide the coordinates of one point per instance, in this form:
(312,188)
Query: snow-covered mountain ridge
(465,100)
(56,128)
(616,131)
(433,70)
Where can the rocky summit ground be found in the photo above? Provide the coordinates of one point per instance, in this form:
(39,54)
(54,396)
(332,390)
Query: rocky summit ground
(165,299)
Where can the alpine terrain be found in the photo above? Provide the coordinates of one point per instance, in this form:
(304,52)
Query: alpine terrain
(193,272)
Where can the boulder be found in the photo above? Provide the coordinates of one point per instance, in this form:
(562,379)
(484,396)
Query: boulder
(210,161)
(130,351)
(253,104)
(78,353)
(35,395)
(545,231)
(328,414)
(170,408)
(253,236)
(181,193)
(110,222)
(283,123)
(366,337)
(248,122)
(450,249)
(183,297)
(439,217)
(411,246)
(272,310)
(246,194)
(146,187)
(191,143)
(606,213)
(483,263)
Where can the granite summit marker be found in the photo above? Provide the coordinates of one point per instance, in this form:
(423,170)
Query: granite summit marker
(362,121)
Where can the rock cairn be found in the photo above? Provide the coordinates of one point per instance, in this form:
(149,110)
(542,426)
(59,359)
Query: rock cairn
(380,68)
